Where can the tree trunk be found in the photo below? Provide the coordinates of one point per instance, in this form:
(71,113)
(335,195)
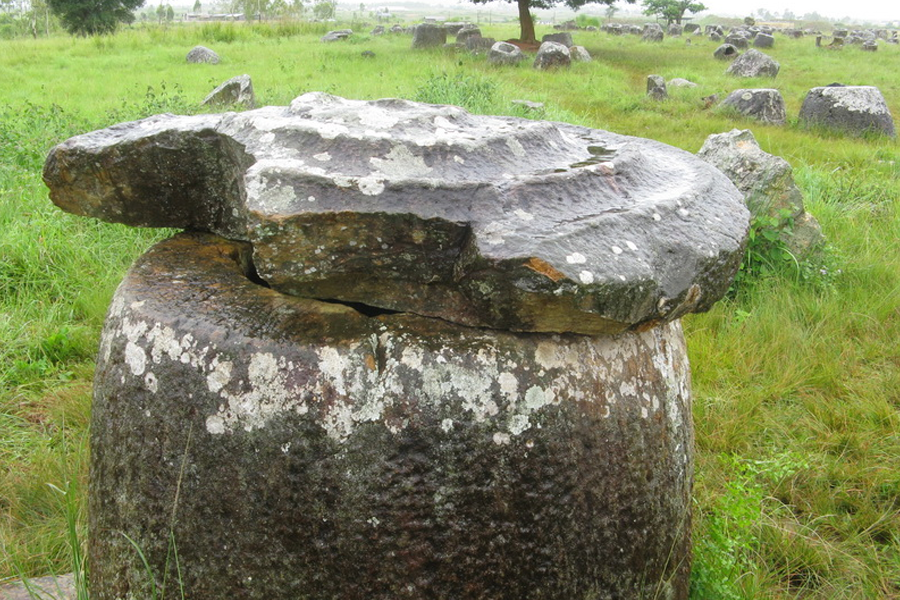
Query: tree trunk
(526,25)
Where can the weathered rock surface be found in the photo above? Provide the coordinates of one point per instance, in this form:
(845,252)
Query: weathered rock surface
(202,54)
(652,33)
(726,52)
(854,109)
(429,35)
(680,82)
(765,105)
(552,55)
(563,37)
(579,54)
(504,53)
(295,448)
(466,32)
(236,91)
(767,182)
(763,40)
(484,221)
(656,87)
(754,63)
(337,35)
(51,587)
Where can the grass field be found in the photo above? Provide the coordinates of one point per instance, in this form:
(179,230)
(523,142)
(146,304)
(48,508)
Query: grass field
(796,374)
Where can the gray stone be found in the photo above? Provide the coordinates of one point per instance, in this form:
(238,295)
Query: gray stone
(680,82)
(766,105)
(715,36)
(454,27)
(652,33)
(726,52)
(767,182)
(675,30)
(529,105)
(479,45)
(855,109)
(580,54)
(429,35)
(504,53)
(337,35)
(753,63)
(483,221)
(552,55)
(564,38)
(467,32)
(692,28)
(294,448)
(236,91)
(51,587)
(738,40)
(202,54)
(378,30)
(656,87)
(763,40)
(870,46)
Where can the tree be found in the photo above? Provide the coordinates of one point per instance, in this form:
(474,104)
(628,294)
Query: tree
(91,17)
(671,10)
(324,10)
(526,22)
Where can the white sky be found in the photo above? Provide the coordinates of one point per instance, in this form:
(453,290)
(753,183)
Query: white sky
(856,10)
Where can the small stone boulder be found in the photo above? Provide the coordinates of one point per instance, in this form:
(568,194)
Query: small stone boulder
(726,52)
(753,63)
(563,37)
(202,54)
(675,30)
(552,55)
(337,35)
(429,35)
(378,30)
(504,53)
(765,105)
(652,33)
(466,32)
(680,82)
(479,45)
(738,40)
(856,109)
(767,182)
(763,40)
(580,54)
(236,91)
(656,87)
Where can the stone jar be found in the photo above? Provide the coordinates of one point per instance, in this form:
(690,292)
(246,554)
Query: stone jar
(404,352)
(282,447)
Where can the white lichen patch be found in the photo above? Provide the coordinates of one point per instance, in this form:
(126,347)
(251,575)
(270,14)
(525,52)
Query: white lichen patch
(586,277)
(576,258)
(400,163)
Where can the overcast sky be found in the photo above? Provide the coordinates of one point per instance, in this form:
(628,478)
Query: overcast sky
(859,10)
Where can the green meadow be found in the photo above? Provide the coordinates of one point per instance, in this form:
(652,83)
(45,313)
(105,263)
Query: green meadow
(796,373)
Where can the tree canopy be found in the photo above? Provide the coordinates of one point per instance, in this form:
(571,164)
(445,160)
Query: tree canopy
(672,10)
(526,23)
(90,17)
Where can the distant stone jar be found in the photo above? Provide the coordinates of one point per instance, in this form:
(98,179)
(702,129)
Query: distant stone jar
(405,352)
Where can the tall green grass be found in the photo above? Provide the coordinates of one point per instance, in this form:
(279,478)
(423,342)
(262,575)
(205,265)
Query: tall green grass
(796,374)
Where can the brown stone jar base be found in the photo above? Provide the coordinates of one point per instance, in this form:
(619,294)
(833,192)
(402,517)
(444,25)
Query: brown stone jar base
(256,445)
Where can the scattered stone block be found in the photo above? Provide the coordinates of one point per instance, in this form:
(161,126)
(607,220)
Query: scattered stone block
(580,54)
(763,40)
(337,35)
(563,37)
(552,55)
(856,110)
(767,182)
(429,35)
(656,87)
(765,105)
(236,91)
(726,52)
(753,63)
(680,82)
(504,53)
(202,54)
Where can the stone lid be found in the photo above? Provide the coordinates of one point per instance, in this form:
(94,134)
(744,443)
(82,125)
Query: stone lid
(485,221)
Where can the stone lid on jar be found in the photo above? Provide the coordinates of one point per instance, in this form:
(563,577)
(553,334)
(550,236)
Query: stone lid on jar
(485,221)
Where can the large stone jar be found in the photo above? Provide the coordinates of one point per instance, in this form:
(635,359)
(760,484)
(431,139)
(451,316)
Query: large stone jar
(440,359)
